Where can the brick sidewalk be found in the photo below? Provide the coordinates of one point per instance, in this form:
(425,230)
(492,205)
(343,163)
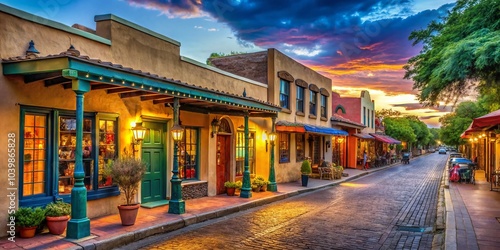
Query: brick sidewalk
(107,232)
(475,217)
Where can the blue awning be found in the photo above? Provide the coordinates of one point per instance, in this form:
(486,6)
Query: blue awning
(324,130)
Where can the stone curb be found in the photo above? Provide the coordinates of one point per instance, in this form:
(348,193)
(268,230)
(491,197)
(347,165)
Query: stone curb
(450,234)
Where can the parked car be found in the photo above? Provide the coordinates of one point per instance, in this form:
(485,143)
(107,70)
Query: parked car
(463,162)
(442,151)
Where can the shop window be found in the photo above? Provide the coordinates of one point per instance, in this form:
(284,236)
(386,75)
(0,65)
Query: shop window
(300,99)
(284,94)
(48,149)
(67,150)
(188,154)
(284,147)
(300,147)
(312,102)
(107,149)
(240,152)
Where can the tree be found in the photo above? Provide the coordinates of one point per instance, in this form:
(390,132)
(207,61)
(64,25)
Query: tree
(460,53)
(387,113)
(435,135)
(420,130)
(399,128)
(454,124)
(220,54)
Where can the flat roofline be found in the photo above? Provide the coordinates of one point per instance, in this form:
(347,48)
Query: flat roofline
(53,24)
(214,69)
(132,25)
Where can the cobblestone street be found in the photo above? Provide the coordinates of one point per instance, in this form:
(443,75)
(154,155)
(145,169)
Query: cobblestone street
(390,209)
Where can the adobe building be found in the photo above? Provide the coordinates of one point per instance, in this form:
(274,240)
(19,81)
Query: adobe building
(71,99)
(303,125)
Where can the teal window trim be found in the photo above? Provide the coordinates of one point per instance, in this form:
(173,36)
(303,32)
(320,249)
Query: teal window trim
(284,94)
(52,157)
(300,99)
(364,116)
(341,108)
(48,159)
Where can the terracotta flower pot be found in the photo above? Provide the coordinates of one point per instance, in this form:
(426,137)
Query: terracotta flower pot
(128,214)
(58,224)
(27,232)
(230,191)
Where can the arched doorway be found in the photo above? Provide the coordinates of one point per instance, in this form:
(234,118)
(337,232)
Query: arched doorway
(223,157)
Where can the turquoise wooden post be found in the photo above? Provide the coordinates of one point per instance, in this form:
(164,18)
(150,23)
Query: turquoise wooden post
(272,186)
(176,205)
(246,190)
(79,225)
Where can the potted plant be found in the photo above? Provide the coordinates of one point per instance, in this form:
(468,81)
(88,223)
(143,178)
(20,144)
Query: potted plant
(28,219)
(57,216)
(305,169)
(231,187)
(127,173)
(260,182)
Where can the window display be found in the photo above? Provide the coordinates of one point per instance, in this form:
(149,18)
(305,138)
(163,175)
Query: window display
(67,148)
(107,150)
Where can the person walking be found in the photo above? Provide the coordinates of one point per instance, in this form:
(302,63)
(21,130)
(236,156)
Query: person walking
(365,160)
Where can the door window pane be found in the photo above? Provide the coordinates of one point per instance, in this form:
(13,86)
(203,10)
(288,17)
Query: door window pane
(240,153)
(188,154)
(34,154)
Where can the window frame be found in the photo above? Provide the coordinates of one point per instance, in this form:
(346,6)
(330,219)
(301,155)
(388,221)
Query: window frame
(313,103)
(300,98)
(300,152)
(52,157)
(284,97)
(251,151)
(196,158)
(324,106)
(284,147)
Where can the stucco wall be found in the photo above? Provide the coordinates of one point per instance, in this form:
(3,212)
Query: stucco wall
(139,50)
(352,106)
(286,172)
(366,101)
(130,48)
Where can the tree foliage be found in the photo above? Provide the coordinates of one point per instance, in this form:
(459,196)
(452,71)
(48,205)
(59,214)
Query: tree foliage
(399,128)
(455,123)
(460,53)
(387,113)
(220,54)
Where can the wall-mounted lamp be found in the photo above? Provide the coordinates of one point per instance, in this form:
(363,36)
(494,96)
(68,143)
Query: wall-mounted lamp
(271,137)
(264,138)
(215,126)
(177,132)
(139,132)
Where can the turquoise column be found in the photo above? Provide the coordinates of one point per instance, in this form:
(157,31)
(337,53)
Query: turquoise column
(176,205)
(79,225)
(246,190)
(272,186)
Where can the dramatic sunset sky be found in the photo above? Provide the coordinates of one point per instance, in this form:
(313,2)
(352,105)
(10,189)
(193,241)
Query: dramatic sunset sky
(358,44)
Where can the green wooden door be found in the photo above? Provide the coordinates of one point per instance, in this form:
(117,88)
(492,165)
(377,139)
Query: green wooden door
(153,154)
